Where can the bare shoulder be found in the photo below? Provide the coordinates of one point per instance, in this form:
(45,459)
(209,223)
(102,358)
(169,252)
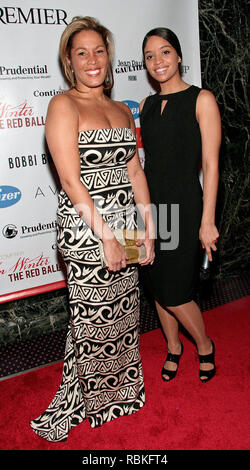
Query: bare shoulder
(61,101)
(129,120)
(62,110)
(123,106)
(62,116)
(206,105)
(206,97)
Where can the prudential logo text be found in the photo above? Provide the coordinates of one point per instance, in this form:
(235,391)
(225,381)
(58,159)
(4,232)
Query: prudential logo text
(9,195)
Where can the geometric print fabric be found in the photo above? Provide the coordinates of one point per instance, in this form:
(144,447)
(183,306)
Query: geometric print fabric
(102,374)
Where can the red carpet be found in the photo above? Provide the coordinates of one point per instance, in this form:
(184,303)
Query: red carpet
(183,414)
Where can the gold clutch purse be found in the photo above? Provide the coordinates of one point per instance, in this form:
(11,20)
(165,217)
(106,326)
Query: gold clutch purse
(128,239)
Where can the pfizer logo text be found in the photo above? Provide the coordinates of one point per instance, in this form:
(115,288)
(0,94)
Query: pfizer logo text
(9,195)
(134,107)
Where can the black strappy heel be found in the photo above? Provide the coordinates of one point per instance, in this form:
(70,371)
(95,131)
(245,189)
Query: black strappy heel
(171,358)
(207,358)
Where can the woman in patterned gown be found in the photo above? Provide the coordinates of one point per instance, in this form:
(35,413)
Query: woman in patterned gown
(92,142)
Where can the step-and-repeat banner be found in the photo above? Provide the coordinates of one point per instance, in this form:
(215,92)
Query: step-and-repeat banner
(30,76)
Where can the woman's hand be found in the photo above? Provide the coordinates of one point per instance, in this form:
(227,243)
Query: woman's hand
(208,236)
(150,252)
(115,254)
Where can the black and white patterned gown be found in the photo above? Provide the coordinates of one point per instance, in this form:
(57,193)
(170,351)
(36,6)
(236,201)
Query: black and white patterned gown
(102,374)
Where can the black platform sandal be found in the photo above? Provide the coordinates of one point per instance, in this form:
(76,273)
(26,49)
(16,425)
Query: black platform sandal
(171,358)
(207,358)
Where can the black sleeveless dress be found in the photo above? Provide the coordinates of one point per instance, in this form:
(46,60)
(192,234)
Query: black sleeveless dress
(172,144)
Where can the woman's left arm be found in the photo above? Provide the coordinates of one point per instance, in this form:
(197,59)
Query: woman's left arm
(142,198)
(208,117)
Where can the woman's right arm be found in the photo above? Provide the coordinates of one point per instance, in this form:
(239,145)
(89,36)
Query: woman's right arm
(62,138)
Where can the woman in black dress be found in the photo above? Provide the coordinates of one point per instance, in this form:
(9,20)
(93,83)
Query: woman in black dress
(179,125)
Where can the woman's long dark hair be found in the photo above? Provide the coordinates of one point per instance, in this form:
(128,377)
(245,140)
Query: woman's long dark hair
(169,36)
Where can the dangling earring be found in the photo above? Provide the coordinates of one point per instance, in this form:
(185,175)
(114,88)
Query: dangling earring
(107,80)
(73,76)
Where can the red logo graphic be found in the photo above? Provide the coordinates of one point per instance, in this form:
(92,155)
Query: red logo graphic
(21,115)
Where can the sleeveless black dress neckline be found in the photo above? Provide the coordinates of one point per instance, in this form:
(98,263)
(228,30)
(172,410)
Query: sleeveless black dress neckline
(169,95)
